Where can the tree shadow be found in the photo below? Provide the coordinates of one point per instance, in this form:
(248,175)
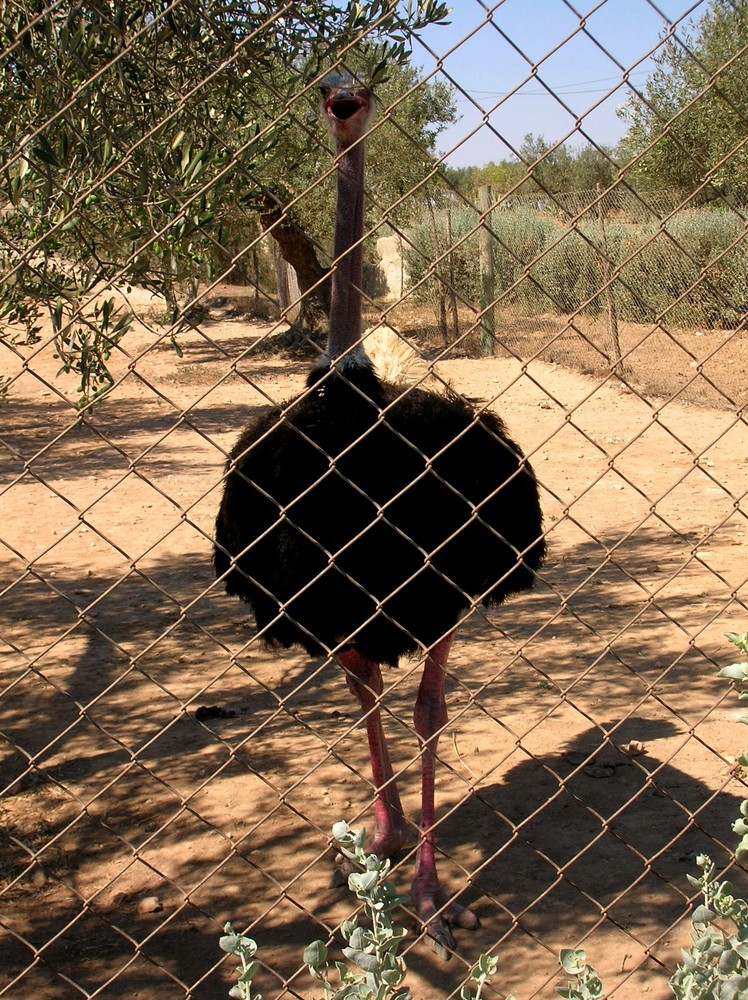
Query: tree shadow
(116,792)
(589,843)
(124,434)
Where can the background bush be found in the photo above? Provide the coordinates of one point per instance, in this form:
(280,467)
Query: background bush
(691,272)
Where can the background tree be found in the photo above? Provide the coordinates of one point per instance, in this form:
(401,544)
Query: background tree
(135,135)
(541,168)
(691,123)
(563,168)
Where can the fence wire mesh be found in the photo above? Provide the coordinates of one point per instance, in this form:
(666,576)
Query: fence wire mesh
(165,237)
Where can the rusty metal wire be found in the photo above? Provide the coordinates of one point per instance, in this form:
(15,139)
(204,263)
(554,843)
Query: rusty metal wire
(162,772)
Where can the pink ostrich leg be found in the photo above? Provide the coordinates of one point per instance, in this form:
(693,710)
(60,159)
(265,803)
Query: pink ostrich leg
(365,682)
(430,716)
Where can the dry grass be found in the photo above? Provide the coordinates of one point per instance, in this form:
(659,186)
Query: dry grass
(709,367)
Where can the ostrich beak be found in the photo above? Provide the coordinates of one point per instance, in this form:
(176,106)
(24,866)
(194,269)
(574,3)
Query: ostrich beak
(348,111)
(345,104)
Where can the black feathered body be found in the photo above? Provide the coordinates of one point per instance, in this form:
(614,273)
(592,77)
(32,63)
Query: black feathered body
(365,515)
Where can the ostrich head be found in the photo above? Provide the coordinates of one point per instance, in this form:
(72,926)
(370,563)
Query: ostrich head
(348,105)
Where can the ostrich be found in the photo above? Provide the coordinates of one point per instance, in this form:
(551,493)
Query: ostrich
(363,521)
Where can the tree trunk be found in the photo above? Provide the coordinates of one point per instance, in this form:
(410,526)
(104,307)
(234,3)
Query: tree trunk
(298,250)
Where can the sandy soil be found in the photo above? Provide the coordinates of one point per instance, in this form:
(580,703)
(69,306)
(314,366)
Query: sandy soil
(591,750)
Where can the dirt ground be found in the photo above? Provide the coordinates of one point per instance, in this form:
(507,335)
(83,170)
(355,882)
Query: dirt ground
(591,750)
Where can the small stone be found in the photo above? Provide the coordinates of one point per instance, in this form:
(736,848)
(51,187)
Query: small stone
(38,878)
(149,904)
(598,771)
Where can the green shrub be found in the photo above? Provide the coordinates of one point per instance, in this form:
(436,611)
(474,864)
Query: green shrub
(522,235)
(430,238)
(673,271)
(571,271)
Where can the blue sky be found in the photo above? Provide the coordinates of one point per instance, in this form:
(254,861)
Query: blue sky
(492,60)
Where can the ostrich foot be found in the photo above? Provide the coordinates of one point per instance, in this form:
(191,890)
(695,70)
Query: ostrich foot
(436,912)
(385,845)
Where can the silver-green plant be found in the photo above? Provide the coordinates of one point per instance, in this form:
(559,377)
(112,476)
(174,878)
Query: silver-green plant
(587,985)
(715,967)
(372,950)
(480,974)
(244,948)
(377,971)
(738,672)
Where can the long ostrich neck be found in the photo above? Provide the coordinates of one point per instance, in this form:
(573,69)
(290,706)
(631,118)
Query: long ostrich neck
(346,299)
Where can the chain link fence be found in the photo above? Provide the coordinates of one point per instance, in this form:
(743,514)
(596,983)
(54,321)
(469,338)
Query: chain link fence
(166,227)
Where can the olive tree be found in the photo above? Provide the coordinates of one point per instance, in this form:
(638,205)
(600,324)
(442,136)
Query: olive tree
(689,125)
(136,134)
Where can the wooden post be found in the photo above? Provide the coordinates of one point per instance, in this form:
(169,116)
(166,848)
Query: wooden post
(452,292)
(441,299)
(487,281)
(607,270)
